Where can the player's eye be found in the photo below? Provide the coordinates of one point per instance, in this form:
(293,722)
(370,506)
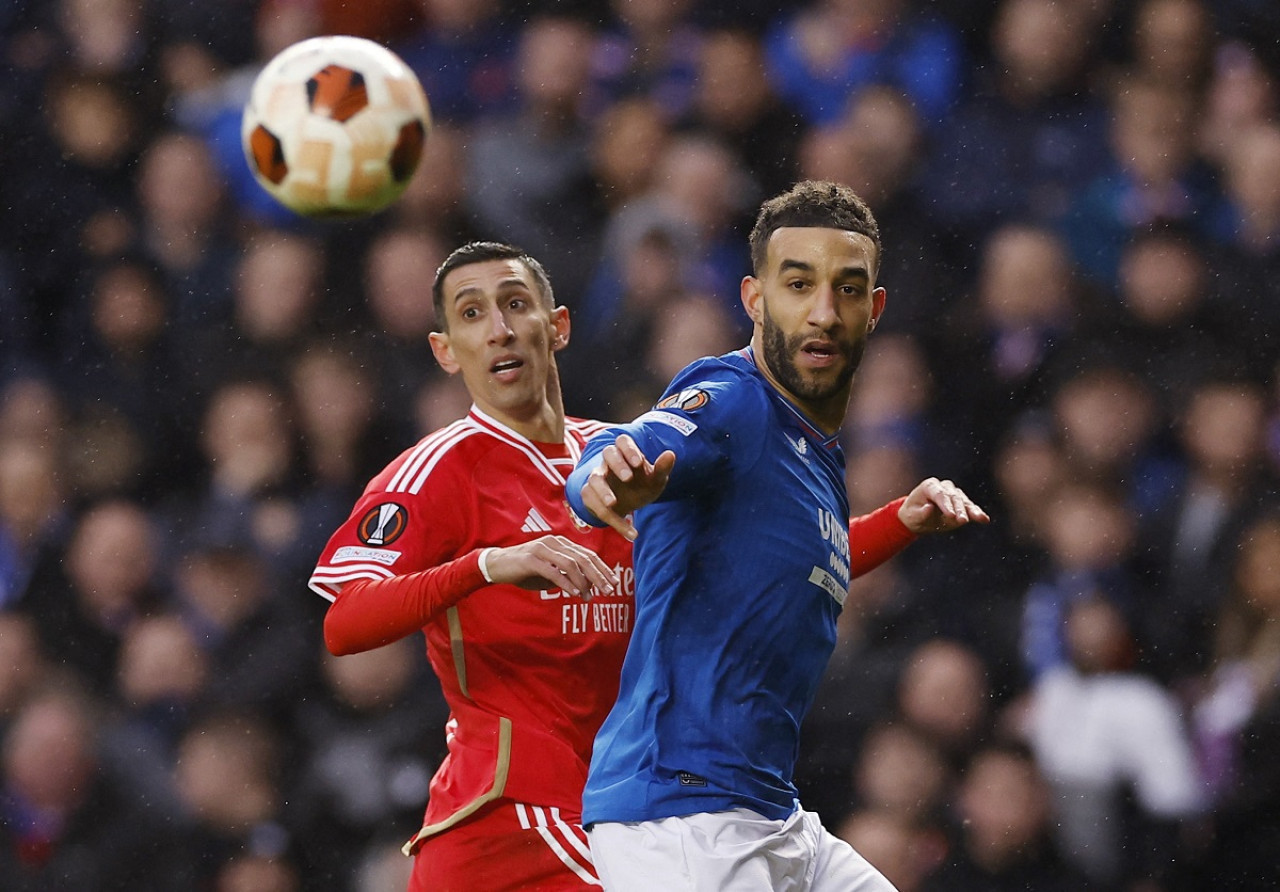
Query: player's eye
(470,313)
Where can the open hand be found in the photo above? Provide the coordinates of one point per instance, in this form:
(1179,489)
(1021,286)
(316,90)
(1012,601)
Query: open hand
(624,481)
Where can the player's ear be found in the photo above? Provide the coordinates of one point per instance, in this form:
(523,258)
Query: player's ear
(877,307)
(751,298)
(443,352)
(560,328)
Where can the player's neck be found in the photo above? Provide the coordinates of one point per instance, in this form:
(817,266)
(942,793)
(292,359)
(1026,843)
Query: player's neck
(827,415)
(541,424)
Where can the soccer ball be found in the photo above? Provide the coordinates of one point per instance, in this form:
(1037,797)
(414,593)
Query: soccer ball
(335,126)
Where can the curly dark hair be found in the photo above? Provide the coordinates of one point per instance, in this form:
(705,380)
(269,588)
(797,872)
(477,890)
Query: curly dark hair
(480,252)
(812,203)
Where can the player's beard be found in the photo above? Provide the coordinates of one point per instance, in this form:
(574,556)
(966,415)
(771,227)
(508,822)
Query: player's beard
(779,350)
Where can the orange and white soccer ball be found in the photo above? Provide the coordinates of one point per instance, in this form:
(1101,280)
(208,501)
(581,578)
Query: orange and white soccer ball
(335,126)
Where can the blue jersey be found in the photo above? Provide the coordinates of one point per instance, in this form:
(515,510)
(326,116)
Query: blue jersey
(741,569)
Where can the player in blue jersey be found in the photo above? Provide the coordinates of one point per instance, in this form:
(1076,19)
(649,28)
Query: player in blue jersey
(742,560)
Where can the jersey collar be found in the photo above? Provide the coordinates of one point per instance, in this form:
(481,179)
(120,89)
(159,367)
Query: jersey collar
(816,434)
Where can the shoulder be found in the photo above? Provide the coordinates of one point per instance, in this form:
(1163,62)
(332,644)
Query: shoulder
(452,449)
(723,386)
(585,428)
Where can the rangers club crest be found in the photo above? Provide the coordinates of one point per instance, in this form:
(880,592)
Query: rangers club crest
(382,524)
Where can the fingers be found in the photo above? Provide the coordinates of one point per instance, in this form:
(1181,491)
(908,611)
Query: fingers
(623,458)
(600,499)
(662,469)
(554,562)
(939,505)
(953,504)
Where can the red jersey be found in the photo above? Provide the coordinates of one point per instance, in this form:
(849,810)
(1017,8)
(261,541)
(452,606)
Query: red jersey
(529,675)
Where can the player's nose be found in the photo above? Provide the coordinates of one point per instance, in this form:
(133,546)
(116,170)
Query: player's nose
(500,330)
(822,310)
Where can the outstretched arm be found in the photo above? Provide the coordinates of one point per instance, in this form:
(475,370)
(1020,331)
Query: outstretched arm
(933,506)
(624,480)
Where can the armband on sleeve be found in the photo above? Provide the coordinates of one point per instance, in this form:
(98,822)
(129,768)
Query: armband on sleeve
(369,613)
(876,537)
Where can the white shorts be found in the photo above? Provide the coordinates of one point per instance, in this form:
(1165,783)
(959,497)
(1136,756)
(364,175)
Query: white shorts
(729,851)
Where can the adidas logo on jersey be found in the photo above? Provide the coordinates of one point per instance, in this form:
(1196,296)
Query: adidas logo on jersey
(535,523)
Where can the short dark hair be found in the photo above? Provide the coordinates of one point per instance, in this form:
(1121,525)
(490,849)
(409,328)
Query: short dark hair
(812,203)
(480,252)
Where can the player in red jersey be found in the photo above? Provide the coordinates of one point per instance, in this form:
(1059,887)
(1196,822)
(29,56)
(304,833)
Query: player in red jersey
(526,610)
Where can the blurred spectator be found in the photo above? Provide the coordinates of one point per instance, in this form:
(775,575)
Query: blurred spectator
(1117,754)
(826,52)
(255,641)
(905,852)
(64,823)
(249,491)
(229,777)
(124,370)
(1004,340)
(345,440)
(1248,269)
(901,771)
(528,173)
(1090,545)
(881,152)
(383,868)
(699,193)
(735,100)
(108,581)
(180,199)
(158,690)
(893,401)
(24,666)
(278,291)
(33,518)
(463,52)
(627,136)
(398,270)
(1110,431)
(648,48)
(943,694)
(1004,831)
(1173,42)
(77,163)
(373,742)
(1026,137)
(439,402)
(33,410)
(1154,177)
(1192,541)
(660,327)
(1169,314)
(1237,716)
(1241,94)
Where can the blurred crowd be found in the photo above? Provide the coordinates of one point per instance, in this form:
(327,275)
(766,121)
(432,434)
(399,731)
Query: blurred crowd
(1080,206)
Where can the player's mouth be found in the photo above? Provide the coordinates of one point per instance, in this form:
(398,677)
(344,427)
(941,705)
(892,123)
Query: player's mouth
(819,354)
(507,368)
